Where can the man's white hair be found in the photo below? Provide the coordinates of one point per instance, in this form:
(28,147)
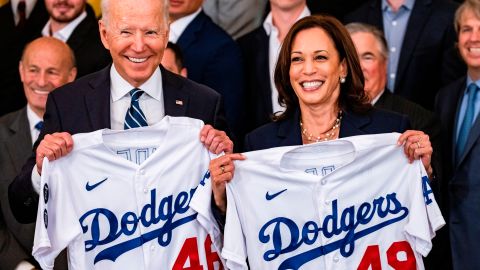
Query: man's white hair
(105,12)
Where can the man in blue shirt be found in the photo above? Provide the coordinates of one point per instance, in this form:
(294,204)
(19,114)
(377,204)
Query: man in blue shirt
(458,105)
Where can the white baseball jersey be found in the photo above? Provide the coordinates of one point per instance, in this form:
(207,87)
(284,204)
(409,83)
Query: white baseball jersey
(352,203)
(120,200)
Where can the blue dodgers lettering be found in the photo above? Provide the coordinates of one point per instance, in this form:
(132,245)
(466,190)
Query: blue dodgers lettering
(387,208)
(151,214)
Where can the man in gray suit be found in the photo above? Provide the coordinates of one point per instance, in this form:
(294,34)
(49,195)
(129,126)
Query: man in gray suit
(46,64)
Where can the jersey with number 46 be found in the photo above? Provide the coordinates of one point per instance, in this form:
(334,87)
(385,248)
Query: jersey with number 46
(120,200)
(352,203)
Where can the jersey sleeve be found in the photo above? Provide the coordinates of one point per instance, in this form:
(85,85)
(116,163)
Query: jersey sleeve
(234,245)
(56,226)
(201,203)
(425,215)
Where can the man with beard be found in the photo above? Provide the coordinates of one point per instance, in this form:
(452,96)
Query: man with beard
(74,22)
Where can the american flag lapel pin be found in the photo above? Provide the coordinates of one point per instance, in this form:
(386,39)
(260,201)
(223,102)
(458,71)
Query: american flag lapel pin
(179,102)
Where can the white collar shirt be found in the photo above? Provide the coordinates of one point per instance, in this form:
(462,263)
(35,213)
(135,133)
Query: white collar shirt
(273,51)
(33,119)
(151,102)
(177,27)
(64,33)
(29,5)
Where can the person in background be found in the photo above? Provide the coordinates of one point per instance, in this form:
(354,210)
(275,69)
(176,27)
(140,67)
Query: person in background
(136,34)
(373,55)
(20,21)
(47,63)
(260,53)
(321,85)
(74,22)
(172,59)
(458,105)
(421,42)
(236,17)
(211,57)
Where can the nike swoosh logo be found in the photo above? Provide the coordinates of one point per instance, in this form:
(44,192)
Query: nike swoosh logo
(89,187)
(272,196)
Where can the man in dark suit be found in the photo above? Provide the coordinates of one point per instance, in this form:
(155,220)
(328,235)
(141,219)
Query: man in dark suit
(458,106)
(15,34)
(18,131)
(135,32)
(373,54)
(74,22)
(423,59)
(210,56)
(260,52)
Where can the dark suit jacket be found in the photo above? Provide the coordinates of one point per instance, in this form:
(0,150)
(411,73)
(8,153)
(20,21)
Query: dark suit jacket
(214,59)
(12,97)
(84,106)
(464,180)
(254,46)
(15,147)
(287,132)
(16,240)
(428,59)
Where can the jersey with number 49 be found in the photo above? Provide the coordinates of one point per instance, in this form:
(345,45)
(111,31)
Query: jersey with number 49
(120,200)
(352,203)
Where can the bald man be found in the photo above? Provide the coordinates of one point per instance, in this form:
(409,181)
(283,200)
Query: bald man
(46,63)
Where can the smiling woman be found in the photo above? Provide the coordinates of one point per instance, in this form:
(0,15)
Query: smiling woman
(321,85)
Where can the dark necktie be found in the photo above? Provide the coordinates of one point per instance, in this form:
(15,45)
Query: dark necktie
(22,14)
(467,121)
(39,126)
(135,117)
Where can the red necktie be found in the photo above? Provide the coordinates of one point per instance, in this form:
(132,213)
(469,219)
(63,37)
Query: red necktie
(22,14)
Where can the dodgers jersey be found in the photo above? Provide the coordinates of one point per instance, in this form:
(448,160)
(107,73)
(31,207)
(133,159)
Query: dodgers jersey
(120,200)
(352,203)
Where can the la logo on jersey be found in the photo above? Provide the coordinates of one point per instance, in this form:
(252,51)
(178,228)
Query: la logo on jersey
(286,236)
(171,210)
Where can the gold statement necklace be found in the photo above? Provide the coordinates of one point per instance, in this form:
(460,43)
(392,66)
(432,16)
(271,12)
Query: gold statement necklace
(329,135)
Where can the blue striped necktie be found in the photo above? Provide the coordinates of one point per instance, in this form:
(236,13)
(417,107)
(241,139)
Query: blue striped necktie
(467,121)
(39,125)
(135,117)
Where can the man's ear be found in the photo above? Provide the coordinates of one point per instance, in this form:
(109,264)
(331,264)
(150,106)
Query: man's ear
(103,34)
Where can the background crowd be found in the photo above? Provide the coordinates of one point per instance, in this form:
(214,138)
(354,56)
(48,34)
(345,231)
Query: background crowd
(418,58)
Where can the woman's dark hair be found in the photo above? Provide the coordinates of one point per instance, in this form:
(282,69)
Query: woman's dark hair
(352,95)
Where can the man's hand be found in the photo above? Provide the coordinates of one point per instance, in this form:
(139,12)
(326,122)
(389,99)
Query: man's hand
(216,140)
(53,146)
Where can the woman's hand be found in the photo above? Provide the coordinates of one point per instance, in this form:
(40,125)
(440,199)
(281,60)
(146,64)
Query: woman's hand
(416,145)
(222,171)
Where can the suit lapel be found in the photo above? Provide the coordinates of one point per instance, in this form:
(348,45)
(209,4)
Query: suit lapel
(189,34)
(416,23)
(289,132)
(352,124)
(21,141)
(175,99)
(97,100)
(474,131)
(78,35)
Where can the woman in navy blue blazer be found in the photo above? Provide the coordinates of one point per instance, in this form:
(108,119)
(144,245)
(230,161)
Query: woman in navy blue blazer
(321,86)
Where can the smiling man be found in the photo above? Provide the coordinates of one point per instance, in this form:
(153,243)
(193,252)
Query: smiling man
(458,105)
(136,33)
(74,22)
(47,63)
